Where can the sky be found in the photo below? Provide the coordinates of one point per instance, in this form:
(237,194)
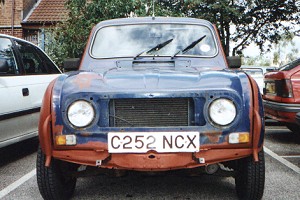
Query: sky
(252,50)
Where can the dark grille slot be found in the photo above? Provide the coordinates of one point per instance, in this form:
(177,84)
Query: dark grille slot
(150,112)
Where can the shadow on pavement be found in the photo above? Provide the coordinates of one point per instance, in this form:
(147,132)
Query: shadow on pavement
(17,151)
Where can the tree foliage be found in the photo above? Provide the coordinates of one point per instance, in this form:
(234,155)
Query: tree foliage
(69,38)
(257,61)
(257,21)
(280,55)
(239,22)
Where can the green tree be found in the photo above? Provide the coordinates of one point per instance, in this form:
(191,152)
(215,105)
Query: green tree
(254,21)
(256,61)
(69,38)
(285,50)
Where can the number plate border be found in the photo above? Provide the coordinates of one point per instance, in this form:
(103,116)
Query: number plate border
(158,136)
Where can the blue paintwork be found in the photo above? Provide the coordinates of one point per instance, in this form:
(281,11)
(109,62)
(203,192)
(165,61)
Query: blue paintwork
(203,79)
(200,86)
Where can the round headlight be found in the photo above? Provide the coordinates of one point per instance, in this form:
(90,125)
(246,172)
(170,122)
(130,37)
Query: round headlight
(81,113)
(222,111)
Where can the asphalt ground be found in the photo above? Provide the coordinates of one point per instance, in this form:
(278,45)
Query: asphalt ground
(282,155)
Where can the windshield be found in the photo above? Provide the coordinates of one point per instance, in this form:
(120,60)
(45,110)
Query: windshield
(133,40)
(290,65)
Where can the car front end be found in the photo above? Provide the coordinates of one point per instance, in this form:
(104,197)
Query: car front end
(170,127)
(152,95)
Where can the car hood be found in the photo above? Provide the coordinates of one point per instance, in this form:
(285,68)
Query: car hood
(115,80)
(100,88)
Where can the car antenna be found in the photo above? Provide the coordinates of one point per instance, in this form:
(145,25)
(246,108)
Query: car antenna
(153,7)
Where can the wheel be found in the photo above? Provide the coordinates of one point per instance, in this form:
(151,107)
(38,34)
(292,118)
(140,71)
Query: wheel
(294,128)
(55,182)
(250,177)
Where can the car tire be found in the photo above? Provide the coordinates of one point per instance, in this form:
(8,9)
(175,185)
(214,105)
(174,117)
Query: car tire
(250,177)
(55,182)
(293,127)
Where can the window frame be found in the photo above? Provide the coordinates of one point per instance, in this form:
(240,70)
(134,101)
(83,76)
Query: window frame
(213,34)
(40,56)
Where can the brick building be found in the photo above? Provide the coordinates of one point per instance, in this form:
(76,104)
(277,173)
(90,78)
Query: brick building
(28,19)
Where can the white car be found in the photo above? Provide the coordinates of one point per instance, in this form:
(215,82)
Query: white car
(25,72)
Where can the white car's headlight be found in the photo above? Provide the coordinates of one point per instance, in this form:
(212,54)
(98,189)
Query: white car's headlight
(81,113)
(222,111)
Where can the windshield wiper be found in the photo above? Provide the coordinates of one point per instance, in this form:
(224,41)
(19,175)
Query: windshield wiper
(190,46)
(156,48)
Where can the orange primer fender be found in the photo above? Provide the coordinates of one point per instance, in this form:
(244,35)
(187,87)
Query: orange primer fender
(257,123)
(44,126)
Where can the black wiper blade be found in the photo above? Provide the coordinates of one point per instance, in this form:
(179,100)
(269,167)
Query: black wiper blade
(190,46)
(160,46)
(156,48)
(193,44)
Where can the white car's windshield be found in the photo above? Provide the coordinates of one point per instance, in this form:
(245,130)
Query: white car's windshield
(153,39)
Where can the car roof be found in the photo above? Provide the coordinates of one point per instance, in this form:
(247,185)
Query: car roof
(25,41)
(15,38)
(147,20)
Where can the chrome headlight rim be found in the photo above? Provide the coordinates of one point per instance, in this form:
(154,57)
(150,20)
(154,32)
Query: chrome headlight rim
(82,124)
(218,121)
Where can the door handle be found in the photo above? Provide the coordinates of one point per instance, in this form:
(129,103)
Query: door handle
(25,92)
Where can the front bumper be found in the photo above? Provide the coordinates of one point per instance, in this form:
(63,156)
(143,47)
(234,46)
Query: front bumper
(283,112)
(92,150)
(151,161)
(282,107)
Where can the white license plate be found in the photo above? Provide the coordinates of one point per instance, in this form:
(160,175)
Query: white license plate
(135,142)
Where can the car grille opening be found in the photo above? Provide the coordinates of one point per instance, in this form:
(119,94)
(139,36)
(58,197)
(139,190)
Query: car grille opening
(158,112)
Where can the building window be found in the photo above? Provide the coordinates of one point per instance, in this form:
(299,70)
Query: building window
(32,36)
(2,7)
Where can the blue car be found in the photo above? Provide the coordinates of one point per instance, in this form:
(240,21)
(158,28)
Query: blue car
(152,95)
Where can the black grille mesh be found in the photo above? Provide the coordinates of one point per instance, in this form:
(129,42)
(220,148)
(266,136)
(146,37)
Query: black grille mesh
(149,112)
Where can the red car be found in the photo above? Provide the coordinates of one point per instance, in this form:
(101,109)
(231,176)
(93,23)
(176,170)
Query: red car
(282,94)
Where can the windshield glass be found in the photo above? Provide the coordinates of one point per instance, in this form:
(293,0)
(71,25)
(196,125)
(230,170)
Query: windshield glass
(290,65)
(138,40)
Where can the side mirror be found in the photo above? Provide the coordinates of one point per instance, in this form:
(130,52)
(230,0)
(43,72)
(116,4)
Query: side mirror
(71,64)
(4,68)
(234,62)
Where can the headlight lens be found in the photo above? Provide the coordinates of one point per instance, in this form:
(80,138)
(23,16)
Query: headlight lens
(81,113)
(222,111)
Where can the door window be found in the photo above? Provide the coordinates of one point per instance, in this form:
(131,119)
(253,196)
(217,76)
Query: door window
(34,60)
(7,59)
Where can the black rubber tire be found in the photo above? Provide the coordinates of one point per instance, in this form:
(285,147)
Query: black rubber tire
(295,128)
(55,181)
(250,177)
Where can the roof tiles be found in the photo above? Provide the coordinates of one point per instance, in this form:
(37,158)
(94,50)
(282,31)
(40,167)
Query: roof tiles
(48,11)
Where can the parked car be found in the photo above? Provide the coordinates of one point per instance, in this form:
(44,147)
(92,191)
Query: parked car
(152,95)
(257,73)
(282,94)
(25,73)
